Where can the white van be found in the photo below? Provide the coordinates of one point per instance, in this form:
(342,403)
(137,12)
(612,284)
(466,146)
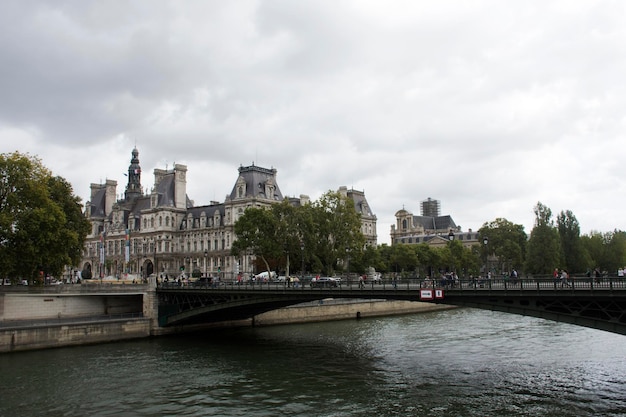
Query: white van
(265,276)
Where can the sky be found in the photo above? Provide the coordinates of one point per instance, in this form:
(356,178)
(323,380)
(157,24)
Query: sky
(487,106)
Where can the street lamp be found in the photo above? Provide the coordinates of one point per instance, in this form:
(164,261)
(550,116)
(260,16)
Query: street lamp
(206,253)
(302,256)
(451,235)
(348,264)
(486,243)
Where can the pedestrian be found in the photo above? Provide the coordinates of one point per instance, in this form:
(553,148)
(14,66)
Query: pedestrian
(564,278)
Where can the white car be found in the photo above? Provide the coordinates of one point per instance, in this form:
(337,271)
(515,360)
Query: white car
(322,282)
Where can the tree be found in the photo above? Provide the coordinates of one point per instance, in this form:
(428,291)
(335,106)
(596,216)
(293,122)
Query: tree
(41,224)
(256,232)
(574,256)
(616,251)
(337,233)
(507,242)
(324,232)
(543,253)
(463,260)
(595,244)
(403,258)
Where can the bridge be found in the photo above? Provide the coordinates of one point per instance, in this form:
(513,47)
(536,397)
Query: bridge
(586,302)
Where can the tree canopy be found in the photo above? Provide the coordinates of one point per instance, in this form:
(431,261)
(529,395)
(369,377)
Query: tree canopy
(42,228)
(324,233)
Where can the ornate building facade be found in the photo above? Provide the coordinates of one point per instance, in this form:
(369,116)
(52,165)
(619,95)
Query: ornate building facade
(162,232)
(431,227)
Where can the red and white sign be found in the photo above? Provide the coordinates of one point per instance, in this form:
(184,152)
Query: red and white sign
(439,294)
(426,295)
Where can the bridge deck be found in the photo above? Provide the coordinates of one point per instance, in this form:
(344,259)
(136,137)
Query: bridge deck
(597,304)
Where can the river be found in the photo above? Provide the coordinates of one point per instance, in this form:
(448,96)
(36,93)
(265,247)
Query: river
(461,362)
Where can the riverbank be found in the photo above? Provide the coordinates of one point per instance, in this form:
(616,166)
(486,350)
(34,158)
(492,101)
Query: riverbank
(30,335)
(335,309)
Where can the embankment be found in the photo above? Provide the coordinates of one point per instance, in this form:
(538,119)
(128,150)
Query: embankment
(23,336)
(328,310)
(30,335)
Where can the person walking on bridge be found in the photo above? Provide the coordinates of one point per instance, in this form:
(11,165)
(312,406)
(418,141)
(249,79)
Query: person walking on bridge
(564,278)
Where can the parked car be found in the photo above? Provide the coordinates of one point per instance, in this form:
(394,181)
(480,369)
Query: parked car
(203,282)
(322,282)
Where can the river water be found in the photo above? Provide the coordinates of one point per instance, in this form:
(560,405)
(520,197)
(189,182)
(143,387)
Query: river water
(461,362)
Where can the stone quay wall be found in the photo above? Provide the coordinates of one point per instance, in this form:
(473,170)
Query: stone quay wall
(38,321)
(45,336)
(342,310)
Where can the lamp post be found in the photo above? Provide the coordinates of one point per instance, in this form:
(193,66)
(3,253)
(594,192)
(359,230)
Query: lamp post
(302,256)
(206,253)
(486,244)
(347,264)
(287,265)
(451,239)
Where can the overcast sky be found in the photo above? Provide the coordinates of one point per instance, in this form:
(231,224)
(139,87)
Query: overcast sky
(487,106)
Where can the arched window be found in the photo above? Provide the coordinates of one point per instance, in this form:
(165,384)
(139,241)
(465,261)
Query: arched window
(160,221)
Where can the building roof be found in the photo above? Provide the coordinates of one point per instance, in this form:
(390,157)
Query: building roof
(256,180)
(434,223)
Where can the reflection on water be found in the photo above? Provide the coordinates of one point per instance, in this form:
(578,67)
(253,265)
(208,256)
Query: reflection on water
(453,363)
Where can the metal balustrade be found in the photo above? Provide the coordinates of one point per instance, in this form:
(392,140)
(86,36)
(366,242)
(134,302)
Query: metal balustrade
(413,284)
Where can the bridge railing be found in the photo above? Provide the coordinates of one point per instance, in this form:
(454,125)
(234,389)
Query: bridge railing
(413,284)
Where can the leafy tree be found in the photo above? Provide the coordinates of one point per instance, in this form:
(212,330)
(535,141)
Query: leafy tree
(595,245)
(403,258)
(323,232)
(543,253)
(574,256)
(369,257)
(337,233)
(256,231)
(428,260)
(507,242)
(41,224)
(616,252)
(463,260)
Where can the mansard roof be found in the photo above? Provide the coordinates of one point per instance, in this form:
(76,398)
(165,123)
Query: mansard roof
(360,203)
(208,211)
(434,223)
(255,179)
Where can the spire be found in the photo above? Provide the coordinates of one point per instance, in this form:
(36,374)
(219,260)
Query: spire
(133,189)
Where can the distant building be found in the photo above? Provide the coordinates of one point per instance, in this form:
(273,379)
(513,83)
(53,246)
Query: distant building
(430,227)
(162,232)
(430,208)
(368,219)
